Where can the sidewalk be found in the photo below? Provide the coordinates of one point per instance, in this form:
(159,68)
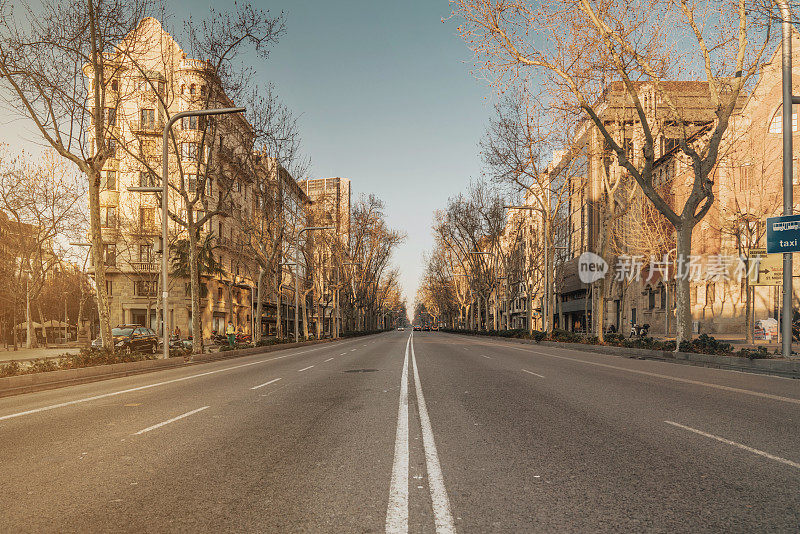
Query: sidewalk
(29,354)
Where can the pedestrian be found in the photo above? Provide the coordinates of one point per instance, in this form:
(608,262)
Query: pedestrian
(231,331)
(177,332)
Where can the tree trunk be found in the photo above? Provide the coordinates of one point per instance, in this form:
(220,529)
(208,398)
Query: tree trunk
(98,261)
(304,306)
(259,307)
(683,312)
(194,275)
(29,333)
(41,320)
(748,310)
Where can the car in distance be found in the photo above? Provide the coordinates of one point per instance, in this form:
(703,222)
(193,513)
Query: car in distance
(426,328)
(417,328)
(401,328)
(130,338)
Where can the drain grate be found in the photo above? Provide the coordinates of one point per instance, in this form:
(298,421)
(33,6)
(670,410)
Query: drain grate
(360,370)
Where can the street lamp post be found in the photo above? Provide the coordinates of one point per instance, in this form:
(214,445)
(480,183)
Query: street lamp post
(297,278)
(788,106)
(164,190)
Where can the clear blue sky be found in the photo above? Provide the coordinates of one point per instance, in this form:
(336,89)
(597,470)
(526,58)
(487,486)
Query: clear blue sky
(388,100)
(386,97)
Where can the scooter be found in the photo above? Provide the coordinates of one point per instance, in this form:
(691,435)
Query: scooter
(639,330)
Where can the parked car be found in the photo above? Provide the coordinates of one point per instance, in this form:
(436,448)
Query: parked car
(132,338)
(426,328)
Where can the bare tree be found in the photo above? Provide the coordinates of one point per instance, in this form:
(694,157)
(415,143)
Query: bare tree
(640,48)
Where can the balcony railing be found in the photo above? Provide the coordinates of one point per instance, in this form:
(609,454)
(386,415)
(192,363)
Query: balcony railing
(148,127)
(145,266)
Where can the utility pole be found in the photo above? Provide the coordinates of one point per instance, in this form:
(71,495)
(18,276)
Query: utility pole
(788,105)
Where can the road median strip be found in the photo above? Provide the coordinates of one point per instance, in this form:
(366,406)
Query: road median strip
(28,383)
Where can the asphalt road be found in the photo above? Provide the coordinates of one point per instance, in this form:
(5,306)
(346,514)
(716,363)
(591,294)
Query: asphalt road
(425,433)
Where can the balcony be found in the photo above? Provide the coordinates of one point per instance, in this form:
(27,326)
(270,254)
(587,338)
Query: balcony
(145,266)
(147,127)
(196,64)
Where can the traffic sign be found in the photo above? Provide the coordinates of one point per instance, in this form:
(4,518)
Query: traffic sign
(764,269)
(783,234)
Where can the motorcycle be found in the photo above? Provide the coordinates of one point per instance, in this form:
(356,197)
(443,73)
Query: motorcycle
(639,330)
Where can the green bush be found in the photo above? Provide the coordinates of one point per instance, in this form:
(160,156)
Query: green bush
(758,353)
(11,368)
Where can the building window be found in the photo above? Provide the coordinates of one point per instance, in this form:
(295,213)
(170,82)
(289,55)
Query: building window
(109,287)
(651,298)
(191,183)
(193,122)
(109,181)
(190,151)
(776,125)
(663,297)
(192,89)
(148,118)
(147,217)
(146,253)
(110,255)
(145,288)
(111,116)
(112,148)
(147,179)
(627,146)
(209,186)
(219,293)
(108,217)
(114,85)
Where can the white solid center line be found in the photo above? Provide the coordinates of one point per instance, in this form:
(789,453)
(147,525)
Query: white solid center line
(532,373)
(739,445)
(442,517)
(329,359)
(397,511)
(148,386)
(305,369)
(265,383)
(168,421)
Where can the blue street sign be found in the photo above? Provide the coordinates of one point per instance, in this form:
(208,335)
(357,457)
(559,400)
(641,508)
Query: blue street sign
(783,234)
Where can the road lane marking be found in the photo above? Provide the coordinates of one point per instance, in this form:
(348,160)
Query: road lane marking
(487,357)
(148,386)
(265,383)
(305,369)
(735,444)
(353,350)
(532,373)
(443,519)
(668,377)
(397,510)
(342,354)
(168,421)
(329,359)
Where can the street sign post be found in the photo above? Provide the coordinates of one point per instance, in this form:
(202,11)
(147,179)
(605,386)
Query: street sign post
(783,234)
(764,269)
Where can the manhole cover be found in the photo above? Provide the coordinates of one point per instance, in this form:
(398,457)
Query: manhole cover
(360,370)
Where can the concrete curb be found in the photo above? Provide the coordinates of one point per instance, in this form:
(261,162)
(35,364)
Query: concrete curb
(785,368)
(16,385)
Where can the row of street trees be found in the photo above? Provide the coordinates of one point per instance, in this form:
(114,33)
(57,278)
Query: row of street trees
(574,51)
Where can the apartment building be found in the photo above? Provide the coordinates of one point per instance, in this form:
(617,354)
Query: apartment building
(212,173)
(747,189)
